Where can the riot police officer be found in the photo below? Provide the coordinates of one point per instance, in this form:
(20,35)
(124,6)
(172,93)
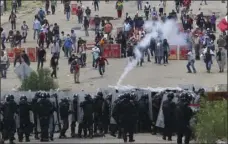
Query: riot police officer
(106,110)
(143,108)
(35,109)
(169,116)
(74,114)
(25,123)
(9,110)
(128,117)
(64,106)
(45,110)
(184,113)
(87,107)
(98,102)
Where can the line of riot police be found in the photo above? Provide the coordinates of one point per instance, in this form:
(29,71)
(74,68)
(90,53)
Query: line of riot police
(94,116)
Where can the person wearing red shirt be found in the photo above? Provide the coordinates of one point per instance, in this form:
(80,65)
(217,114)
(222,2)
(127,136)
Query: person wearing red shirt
(41,39)
(101,63)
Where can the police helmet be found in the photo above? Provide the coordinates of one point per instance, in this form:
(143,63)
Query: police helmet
(100,94)
(170,95)
(7,98)
(11,97)
(109,96)
(75,96)
(88,97)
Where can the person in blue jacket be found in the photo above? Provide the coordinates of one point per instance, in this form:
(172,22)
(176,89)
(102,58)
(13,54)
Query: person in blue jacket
(68,46)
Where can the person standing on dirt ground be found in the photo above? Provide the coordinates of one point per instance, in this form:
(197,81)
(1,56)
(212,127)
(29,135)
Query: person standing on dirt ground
(47,5)
(96,5)
(86,26)
(14,6)
(67,10)
(53,6)
(13,18)
(119,8)
(101,64)
(76,69)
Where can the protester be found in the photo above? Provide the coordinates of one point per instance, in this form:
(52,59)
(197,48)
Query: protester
(41,57)
(119,8)
(86,26)
(24,29)
(100,61)
(96,5)
(67,10)
(191,62)
(54,65)
(12,19)
(53,6)
(55,48)
(4,63)
(68,46)
(221,59)
(36,27)
(74,40)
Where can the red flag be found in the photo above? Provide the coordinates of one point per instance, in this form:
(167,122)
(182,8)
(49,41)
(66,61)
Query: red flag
(223,25)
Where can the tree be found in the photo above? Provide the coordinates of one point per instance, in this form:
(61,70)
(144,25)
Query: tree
(211,121)
(40,80)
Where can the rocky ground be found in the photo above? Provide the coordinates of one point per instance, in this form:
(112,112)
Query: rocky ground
(149,74)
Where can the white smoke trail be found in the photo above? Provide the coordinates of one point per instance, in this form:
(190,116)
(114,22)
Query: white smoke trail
(168,30)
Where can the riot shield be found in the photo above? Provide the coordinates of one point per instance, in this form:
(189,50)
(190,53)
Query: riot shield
(81,98)
(160,119)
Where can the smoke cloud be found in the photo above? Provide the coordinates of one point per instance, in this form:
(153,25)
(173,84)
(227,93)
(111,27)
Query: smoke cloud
(155,30)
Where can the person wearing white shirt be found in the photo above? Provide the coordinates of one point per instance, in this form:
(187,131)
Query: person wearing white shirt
(3,38)
(95,52)
(83,54)
(36,28)
(191,62)
(4,62)
(161,8)
(55,48)
(24,30)
(127,28)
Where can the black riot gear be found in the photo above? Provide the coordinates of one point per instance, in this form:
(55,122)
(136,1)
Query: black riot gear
(169,116)
(9,109)
(87,107)
(64,106)
(24,115)
(98,102)
(75,115)
(35,109)
(45,110)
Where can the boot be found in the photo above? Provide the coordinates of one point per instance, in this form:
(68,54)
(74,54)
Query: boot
(27,139)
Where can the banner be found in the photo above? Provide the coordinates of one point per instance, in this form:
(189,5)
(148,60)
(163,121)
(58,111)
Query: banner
(116,50)
(74,9)
(183,51)
(31,52)
(180,25)
(112,51)
(107,51)
(91,23)
(173,52)
(10,54)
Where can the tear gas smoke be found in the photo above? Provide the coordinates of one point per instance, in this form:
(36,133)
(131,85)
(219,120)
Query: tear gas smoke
(158,31)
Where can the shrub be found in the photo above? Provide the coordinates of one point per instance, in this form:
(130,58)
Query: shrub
(40,80)
(211,121)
